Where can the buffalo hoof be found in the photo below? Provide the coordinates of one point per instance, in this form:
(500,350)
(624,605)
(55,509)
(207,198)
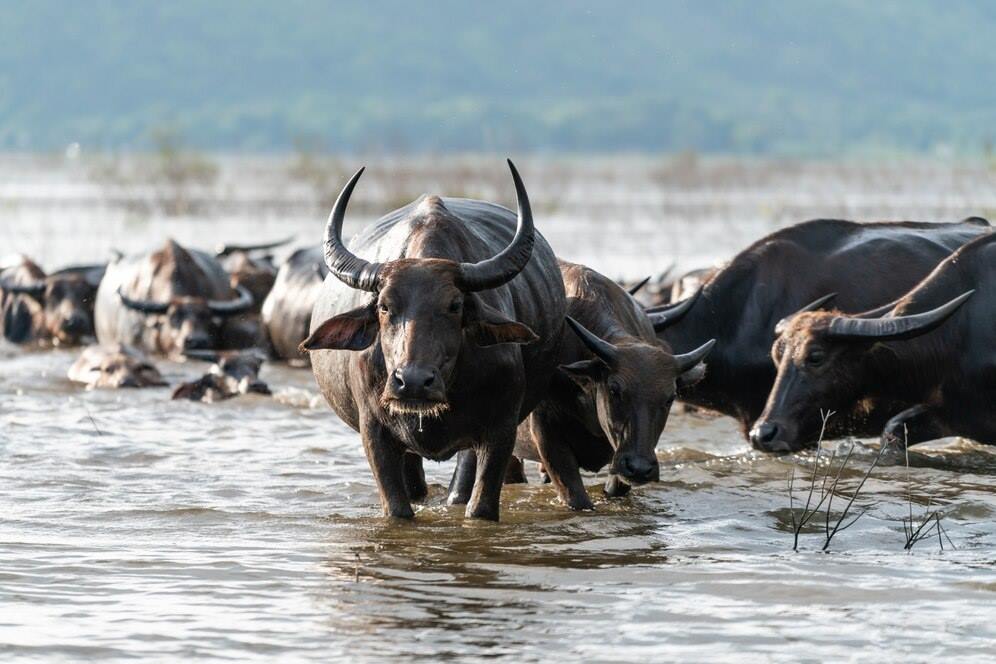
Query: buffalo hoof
(615,487)
(401,512)
(581,504)
(482,512)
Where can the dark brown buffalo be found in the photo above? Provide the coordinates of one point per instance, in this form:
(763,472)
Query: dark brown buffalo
(52,309)
(287,309)
(864,264)
(114,367)
(445,343)
(609,401)
(925,366)
(169,301)
(251,268)
(232,373)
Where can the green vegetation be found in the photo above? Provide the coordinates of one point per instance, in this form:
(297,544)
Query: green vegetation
(815,77)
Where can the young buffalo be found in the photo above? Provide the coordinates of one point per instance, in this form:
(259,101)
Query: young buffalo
(610,400)
(232,373)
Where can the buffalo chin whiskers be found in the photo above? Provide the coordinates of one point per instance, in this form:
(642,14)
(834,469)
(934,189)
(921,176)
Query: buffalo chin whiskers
(422,410)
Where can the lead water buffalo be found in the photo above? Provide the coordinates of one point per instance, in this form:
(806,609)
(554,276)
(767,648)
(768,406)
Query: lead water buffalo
(927,363)
(169,301)
(609,401)
(444,342)
(287,309)
(866,265)
(52,309)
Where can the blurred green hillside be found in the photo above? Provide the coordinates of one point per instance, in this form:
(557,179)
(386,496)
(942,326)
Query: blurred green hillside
(809,77)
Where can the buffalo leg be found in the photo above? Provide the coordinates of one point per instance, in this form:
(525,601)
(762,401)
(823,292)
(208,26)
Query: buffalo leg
(492,461)
(615,487)
(911,426)
(560,464)
(516,473)
(415,478)
(386,457)
(462,482)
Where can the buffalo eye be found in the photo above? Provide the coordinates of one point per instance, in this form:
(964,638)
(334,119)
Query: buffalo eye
(383,308)
(614,389)
(455,306)
(815,357)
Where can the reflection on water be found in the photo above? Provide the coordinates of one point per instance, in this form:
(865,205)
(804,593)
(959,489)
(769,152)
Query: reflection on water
(133,526)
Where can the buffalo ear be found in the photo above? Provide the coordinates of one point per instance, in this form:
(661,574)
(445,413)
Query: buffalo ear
(487,326)
(584,372)
(353,330)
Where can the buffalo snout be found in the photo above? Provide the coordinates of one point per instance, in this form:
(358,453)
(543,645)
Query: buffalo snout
(75,325)
(772,436)
(638,468)
(197,341)
(417,383)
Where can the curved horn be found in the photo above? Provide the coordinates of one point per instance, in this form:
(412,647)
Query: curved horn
(633,290)
(36,288)
(144,306)
(602,349)
(686,361)
(227,249)
(232,307)
(812,306)
(899,327)
(667,315)
(349,269)
(501,268)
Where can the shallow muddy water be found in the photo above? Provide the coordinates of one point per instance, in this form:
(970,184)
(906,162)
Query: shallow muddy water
(136,527)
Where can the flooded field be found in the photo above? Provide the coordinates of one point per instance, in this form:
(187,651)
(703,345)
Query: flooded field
(136,527)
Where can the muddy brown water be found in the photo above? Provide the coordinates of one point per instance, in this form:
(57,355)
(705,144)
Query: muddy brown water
(136,527)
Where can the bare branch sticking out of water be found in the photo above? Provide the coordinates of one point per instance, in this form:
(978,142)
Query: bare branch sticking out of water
(92,421)
(931,522)
(828,489)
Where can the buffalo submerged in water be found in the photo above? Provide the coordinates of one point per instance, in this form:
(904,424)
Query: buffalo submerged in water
(169,301)
(444,342)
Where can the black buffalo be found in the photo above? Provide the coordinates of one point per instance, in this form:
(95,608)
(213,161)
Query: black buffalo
(609,401)
(169,301)
(52,309)
(864,264)
(444,343)
(925,366)
(287,309)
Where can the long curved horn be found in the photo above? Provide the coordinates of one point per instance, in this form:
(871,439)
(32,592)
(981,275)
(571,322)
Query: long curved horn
(36,288)
(348,268)
(899,327)
(501,268)
(234,307)
(633,290)
(602,349)
(812,306)
(144,306)
(667,315)
(227,249)
(688,360)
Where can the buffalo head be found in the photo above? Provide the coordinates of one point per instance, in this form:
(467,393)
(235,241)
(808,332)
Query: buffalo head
(423,310)
(633,386)
(825,363)
(65,305)
(188,323)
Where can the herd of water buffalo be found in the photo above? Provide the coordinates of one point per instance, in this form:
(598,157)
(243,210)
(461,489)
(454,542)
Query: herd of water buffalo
(449,327)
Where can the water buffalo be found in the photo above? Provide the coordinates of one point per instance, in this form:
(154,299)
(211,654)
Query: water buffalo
(445,343)
(55,308)
(609,401)
(287,309)
(255,272)
(864,264)
(169,301)
(113,367)
(925,366)
(231,374)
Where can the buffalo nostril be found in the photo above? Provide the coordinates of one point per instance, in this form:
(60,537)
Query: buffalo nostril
(764,433)
(430,379)
(196,343)
(398,378)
